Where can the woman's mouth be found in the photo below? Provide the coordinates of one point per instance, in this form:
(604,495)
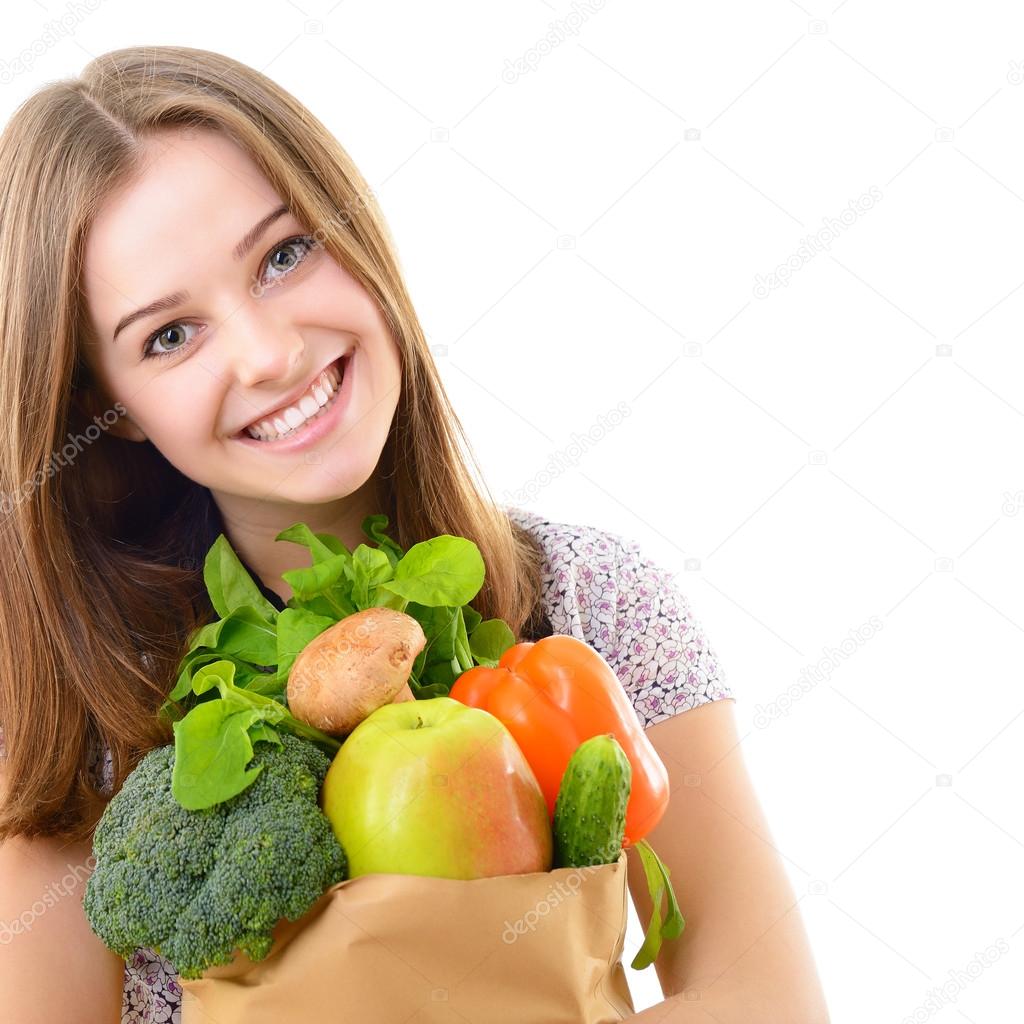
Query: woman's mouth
(291,420)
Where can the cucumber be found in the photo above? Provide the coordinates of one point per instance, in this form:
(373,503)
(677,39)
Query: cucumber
(590,811)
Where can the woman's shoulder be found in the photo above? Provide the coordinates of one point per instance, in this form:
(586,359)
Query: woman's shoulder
(587,573)
(571,543)
(605,588)
(577,575)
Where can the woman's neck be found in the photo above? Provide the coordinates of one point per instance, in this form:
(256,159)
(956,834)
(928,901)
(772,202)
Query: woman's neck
(251,527)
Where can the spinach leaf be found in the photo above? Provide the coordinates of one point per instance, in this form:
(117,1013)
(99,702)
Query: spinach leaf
(324,587)
(213,743)
(443,570)
(489,641)
(370,567)
(374,527)
(659,884)
(296,627)
(212,747)
(243,633)
(229,585)
(472,618)
(319,578)
(322,546)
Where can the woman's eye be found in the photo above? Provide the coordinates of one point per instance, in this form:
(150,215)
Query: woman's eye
(158,335)
(305,243)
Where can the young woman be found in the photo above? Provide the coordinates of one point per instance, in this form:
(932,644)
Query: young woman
(204,329)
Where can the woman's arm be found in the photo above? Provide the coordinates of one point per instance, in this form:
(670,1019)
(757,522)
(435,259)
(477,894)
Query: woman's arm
(52,966)
(744,953)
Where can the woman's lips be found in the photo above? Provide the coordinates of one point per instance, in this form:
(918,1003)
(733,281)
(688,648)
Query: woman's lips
(318,427)
(336,363)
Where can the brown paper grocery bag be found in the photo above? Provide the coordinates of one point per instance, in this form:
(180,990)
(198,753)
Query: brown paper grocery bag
(540,948)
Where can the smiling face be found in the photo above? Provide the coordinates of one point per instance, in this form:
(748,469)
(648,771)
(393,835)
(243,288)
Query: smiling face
(255,333)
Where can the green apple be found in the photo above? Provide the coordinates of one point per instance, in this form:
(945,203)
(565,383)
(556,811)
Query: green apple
(433,787)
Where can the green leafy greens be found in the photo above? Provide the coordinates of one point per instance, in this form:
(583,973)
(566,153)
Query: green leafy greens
(232,680)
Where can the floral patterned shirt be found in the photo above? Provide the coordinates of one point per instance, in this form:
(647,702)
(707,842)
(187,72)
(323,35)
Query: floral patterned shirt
(603,589)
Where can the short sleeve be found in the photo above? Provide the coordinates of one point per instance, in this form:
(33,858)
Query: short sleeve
(661,653)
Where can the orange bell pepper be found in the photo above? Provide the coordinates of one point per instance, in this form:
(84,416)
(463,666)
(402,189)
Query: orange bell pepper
(552,695)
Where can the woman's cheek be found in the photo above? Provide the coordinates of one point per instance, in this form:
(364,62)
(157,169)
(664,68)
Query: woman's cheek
(179,411)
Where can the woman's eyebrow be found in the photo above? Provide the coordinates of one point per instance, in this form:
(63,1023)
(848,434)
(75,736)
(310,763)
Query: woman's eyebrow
(240,251)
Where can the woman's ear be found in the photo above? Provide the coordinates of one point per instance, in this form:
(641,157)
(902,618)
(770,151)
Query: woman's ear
(90,403)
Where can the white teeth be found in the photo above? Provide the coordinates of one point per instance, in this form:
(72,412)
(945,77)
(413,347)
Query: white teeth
(323,390)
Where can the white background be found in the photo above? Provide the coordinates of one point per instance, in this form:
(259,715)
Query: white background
(593,231)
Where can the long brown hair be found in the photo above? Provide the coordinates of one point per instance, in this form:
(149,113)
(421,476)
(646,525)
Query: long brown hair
(102,540)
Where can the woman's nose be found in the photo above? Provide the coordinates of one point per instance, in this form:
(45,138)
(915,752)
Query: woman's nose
(255,348)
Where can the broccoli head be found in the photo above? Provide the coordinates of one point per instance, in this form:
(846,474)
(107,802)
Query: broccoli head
(195,885)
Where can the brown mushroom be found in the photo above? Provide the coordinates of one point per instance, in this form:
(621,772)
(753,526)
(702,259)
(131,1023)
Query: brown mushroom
(357,665)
